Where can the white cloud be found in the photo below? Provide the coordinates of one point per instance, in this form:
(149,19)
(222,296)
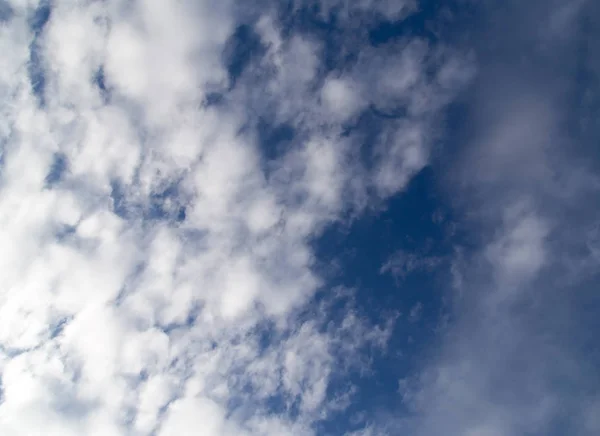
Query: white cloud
(416,312)
(388,9)
(341,97)
(402,263)
(519,252)
(113,321)
(190,416)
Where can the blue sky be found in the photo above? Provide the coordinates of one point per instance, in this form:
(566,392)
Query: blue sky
(303,217)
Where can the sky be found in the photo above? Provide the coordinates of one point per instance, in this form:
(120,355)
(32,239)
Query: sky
(299,217)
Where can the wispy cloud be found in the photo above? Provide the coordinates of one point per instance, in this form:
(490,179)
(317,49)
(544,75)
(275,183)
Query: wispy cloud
(403,263)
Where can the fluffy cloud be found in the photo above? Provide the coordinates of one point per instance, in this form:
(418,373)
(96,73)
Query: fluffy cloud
(157,273)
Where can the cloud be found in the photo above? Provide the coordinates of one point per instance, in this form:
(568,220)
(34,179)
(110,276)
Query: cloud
(389,10)
(403,263)
(157,271)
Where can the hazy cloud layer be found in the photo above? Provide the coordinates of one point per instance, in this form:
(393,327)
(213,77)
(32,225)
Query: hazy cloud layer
(520,358)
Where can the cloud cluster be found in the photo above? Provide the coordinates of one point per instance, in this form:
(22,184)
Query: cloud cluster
(519,358)
(157,273)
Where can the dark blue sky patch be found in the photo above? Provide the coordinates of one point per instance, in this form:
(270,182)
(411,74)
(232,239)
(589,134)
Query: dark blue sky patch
(58,168)
(40,16)
(266,333)
(410,222)
(213,99)
(276,405)
(417,24)
(243,46)
(274,139)
(64,232)
(99,80)
(293,18)
(416,221)
(36,73)
(435,21)
(181,214)
(119,201)
(57,327)
(345,36)
(35,67)
(6,11)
